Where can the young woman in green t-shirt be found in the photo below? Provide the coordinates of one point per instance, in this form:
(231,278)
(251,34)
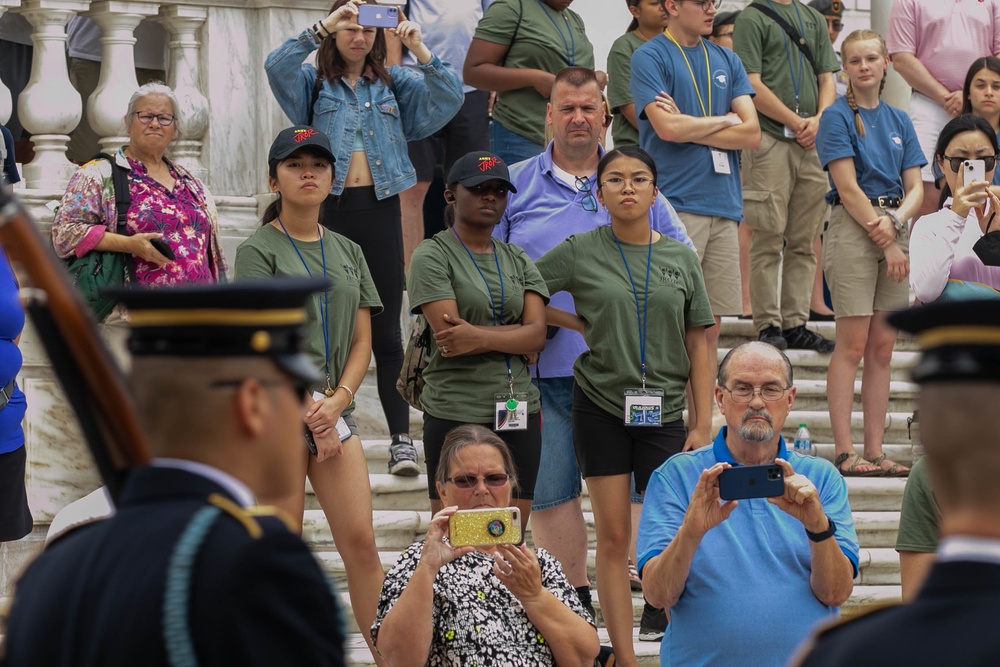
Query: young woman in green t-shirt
(485,302)
(292,242)
(630,285)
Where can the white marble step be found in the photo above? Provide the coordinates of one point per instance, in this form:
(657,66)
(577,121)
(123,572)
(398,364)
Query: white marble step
(818,421)
(807,364)
(811,395)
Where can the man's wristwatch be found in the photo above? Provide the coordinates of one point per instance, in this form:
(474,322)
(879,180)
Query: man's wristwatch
(826,534)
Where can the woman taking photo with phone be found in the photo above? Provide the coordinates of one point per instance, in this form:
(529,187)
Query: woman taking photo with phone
(369,112)
(628,280)
(874,160)
(947,248)
(479,605)
(485,303)
(291,242)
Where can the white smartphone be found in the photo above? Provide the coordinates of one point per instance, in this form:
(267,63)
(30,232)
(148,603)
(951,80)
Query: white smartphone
(975,170)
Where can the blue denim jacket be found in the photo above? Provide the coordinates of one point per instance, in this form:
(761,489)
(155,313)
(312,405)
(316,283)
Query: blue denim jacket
(419,104)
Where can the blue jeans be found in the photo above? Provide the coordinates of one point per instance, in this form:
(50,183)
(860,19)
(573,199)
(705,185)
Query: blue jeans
(558,479)
(511,147)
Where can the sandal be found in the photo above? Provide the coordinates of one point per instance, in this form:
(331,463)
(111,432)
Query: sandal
(852,469)
(894,469)
(633,577)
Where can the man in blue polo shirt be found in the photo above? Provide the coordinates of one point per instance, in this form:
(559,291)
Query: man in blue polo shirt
(711,119)
(556,197)
(746,580)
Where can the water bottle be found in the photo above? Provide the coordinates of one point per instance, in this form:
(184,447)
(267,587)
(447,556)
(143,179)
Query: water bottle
(804,441)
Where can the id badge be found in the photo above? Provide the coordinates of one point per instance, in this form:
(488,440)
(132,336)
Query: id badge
(643,407)
(510,414)
(720,161)
(789,132)
(343,430)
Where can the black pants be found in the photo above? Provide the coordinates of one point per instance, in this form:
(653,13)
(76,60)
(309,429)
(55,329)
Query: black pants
(377,227)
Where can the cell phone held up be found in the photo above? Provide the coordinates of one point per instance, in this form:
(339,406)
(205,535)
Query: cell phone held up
(740,482)
(376,16)
(975,170)
(485,527)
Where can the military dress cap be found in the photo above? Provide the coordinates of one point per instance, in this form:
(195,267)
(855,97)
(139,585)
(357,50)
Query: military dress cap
(828,7)
(960,340)
(725,18)
(478,167)
(293,138)
(249,318)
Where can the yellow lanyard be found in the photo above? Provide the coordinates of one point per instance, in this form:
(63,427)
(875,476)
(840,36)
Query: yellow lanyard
(708,72)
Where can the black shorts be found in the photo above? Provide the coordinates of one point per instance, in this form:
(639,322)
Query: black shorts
(605,446)
(468,131)
(15,519)
(525,446)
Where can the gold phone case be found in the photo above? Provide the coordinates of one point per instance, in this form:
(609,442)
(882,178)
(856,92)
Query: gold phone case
(493,525)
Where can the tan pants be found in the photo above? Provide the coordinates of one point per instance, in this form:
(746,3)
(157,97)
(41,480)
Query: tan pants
(783,188)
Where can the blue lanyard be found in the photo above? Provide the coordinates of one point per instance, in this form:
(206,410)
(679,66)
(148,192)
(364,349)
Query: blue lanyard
(324,315)
(796,85)
(640,318)
(571,47)
(493,306)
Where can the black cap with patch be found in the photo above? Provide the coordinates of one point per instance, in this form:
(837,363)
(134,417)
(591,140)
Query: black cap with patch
(828,7)
(293,138)
(478,167)
(248,318)
(960,340)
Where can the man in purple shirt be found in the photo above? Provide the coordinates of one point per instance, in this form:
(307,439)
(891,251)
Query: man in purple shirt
(556,197)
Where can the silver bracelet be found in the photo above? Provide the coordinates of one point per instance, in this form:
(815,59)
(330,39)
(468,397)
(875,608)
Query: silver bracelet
(344,386)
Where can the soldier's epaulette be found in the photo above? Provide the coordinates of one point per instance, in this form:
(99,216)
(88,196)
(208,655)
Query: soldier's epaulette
(247,516)
(806,648)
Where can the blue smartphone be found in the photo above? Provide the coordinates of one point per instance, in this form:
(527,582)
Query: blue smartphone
(764,481)
(376,16)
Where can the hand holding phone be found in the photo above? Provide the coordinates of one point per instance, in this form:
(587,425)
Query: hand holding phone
(163,248)
(485,527)
(763,481)
(376,16)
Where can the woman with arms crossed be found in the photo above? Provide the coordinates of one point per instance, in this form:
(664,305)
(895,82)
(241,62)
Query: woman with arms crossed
(874,160)
(628,281)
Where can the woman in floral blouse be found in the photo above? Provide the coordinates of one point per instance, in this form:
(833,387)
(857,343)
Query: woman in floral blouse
(167,202)
(502,605)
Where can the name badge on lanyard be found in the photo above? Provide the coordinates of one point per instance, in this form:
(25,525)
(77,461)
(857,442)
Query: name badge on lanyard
(720,161)
(511,412)
(643,407)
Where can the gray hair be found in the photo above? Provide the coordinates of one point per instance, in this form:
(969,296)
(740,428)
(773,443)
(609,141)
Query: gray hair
(465,435)
(155,88)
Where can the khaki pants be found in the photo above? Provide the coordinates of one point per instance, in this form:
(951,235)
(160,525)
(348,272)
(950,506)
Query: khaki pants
(715,239)
(783,188)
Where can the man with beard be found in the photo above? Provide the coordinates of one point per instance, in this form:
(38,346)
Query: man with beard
(746,580)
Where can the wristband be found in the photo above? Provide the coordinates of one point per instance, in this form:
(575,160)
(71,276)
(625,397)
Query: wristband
(824,535)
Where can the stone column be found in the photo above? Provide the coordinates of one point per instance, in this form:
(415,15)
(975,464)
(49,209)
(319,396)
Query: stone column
(6,105)
(184,76)
(107,105)
(49,106)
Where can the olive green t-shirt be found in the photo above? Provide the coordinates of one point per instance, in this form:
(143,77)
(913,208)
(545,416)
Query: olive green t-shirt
(269,253)
(765,48)
(919,517)
(589,266)
(463,388)
(539,37)
(619,94)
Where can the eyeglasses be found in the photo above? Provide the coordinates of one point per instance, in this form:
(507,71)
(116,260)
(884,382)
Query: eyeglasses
(618,183)
(705,4)
(589,202)
(164,119)
(471,481)
(989,161)
(300,387)
(744,393)
(835,24)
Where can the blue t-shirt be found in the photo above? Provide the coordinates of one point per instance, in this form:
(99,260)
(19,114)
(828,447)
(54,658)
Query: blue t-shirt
(541,215)
(686,173)
(747,599)
(11,323)
(880,157)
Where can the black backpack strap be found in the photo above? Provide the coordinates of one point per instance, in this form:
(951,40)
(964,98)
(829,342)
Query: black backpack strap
(123,199)
(796,38)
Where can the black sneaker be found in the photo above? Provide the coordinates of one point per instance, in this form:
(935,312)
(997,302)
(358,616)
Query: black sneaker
(403,457)
(772,336)
(605,658)
(653,624)
(801,338)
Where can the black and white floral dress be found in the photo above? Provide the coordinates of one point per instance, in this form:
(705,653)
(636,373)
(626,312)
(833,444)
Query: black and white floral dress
(477,620)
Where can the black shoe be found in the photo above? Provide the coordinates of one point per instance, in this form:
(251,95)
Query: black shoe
(772,336)
(653,624)
(403,456)
(606,657)
(800,338)
(818,317)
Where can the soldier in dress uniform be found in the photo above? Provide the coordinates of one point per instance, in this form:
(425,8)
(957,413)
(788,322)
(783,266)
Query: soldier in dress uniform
(952,619)
(189,571)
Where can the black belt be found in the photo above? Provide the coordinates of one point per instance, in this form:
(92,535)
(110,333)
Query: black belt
(881,202)
(5,394)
